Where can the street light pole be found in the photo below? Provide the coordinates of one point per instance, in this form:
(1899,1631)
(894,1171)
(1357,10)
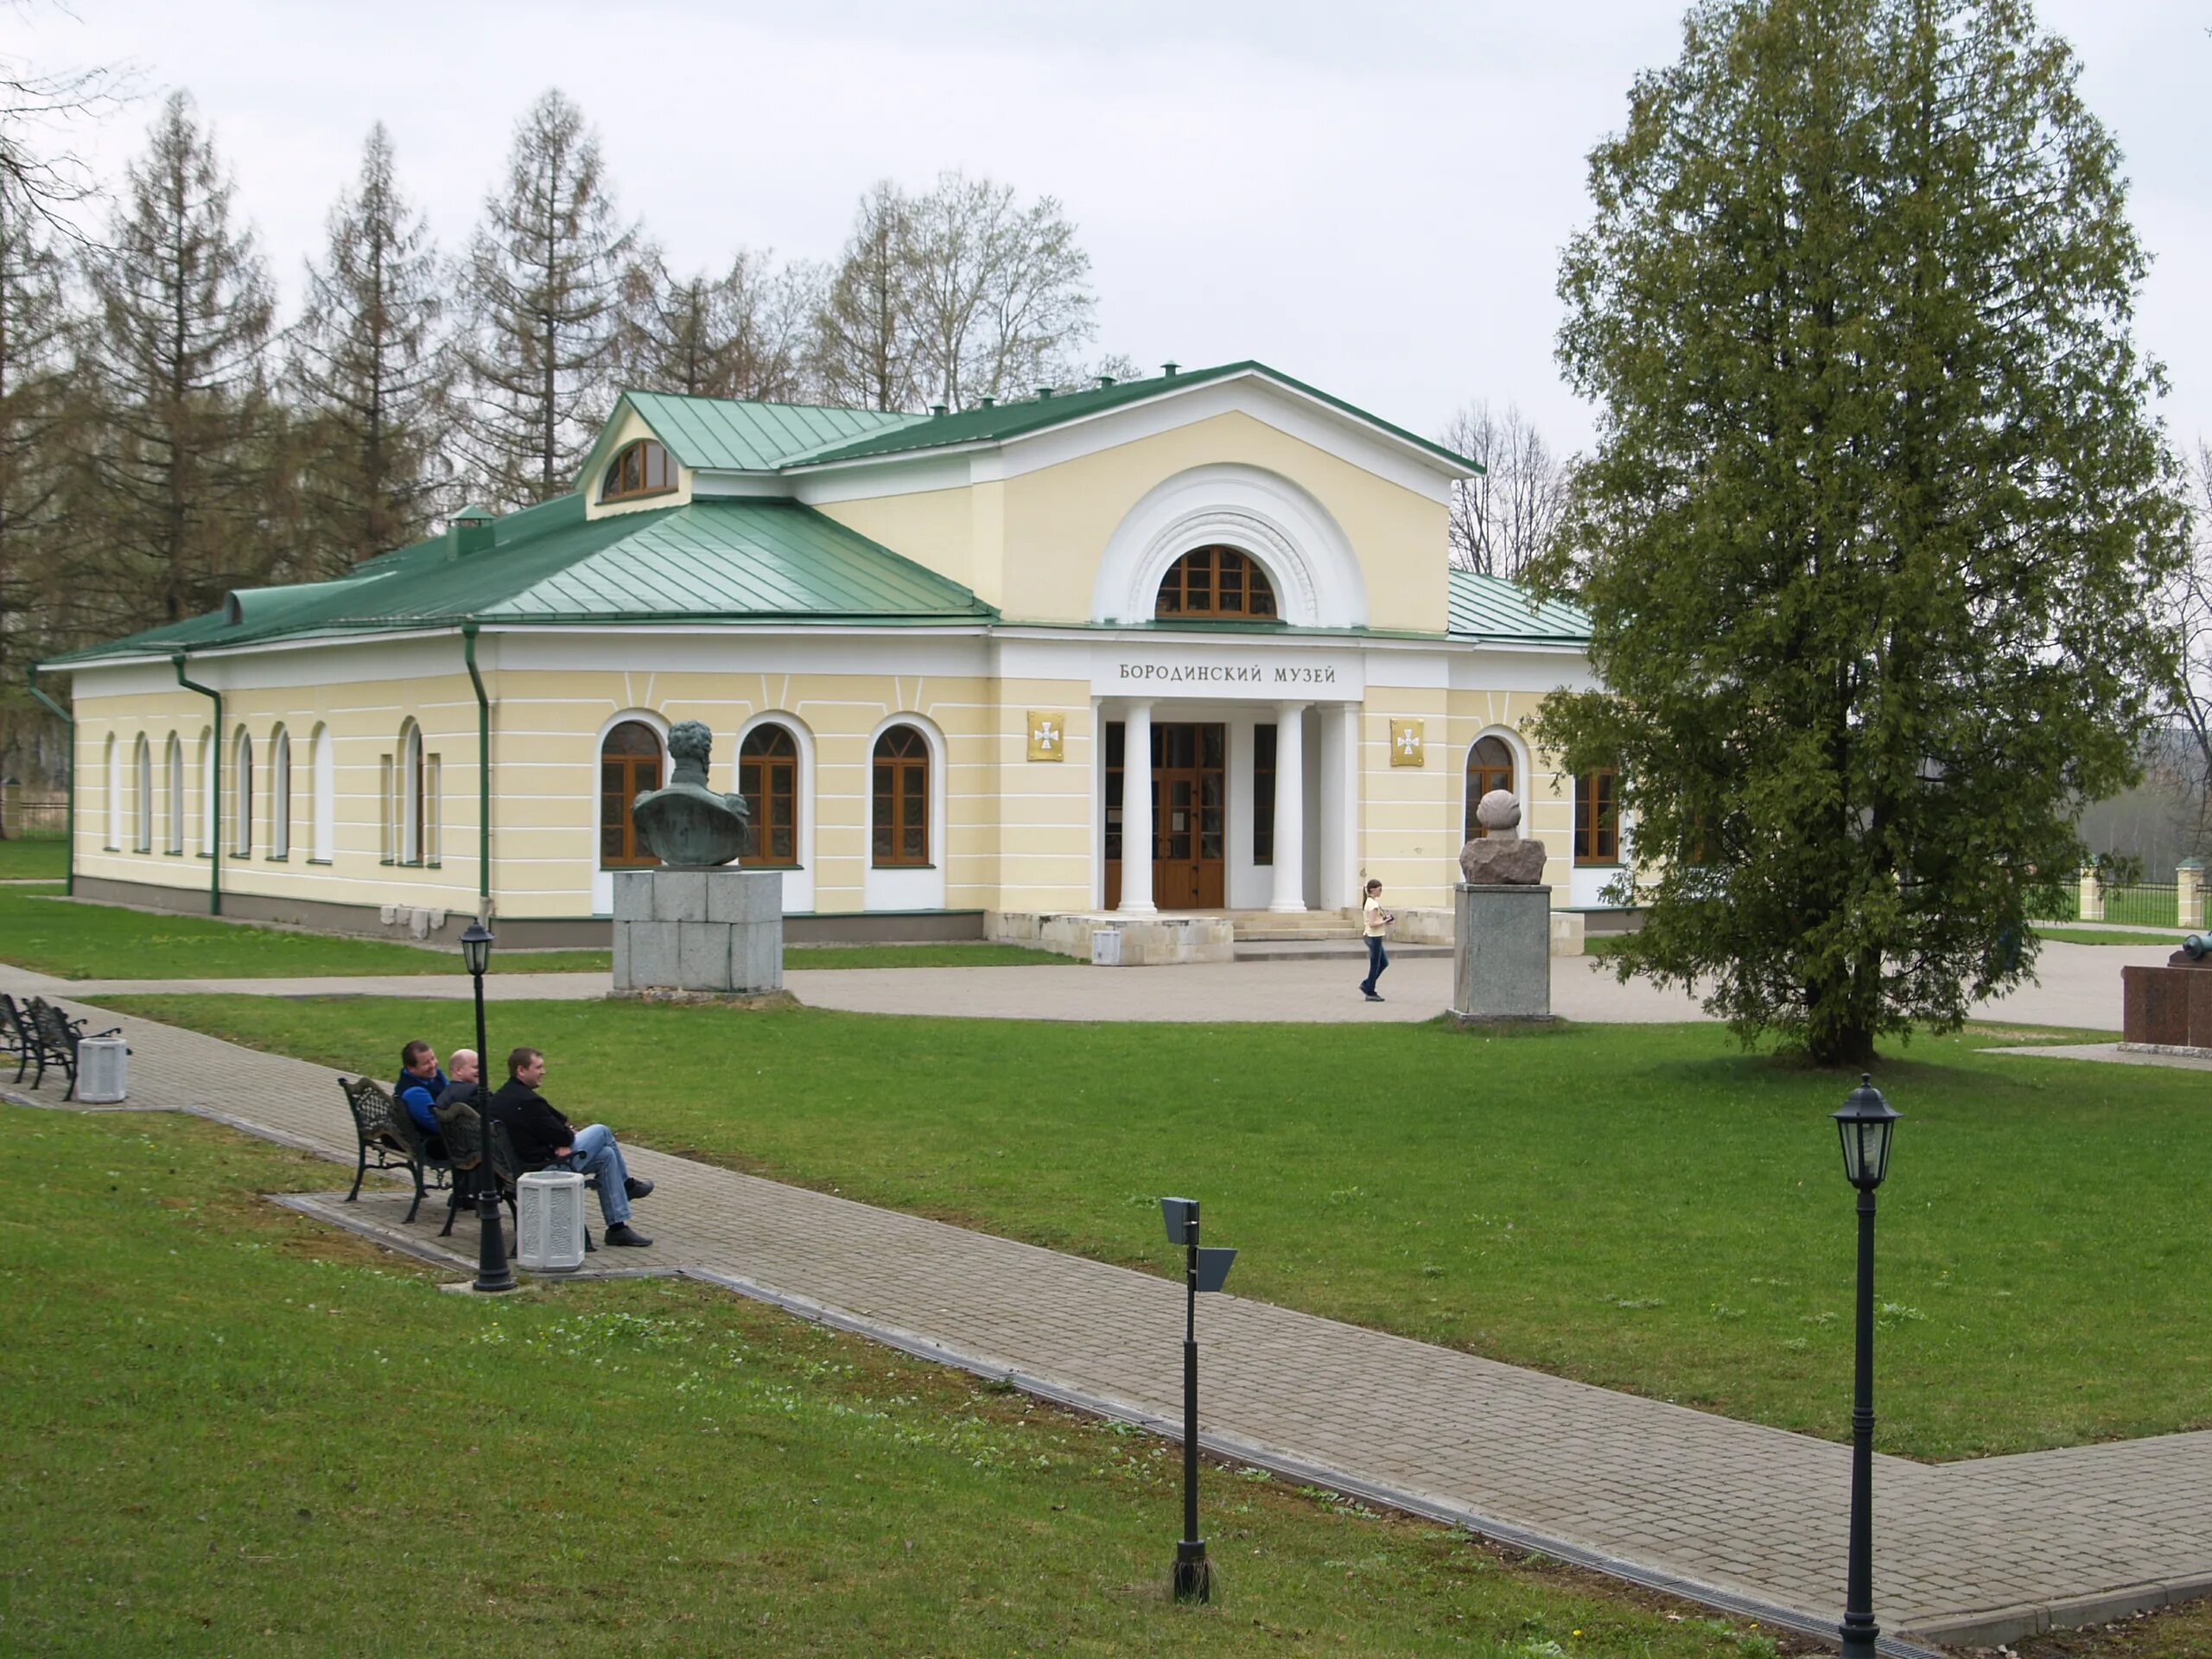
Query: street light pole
(492,1273)
(1193,1577)
(1866,1124)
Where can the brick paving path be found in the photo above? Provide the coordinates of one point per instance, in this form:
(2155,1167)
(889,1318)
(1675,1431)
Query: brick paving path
(1746,1517)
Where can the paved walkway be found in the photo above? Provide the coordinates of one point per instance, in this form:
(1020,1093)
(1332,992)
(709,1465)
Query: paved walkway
(2079,987)
(1745,1518)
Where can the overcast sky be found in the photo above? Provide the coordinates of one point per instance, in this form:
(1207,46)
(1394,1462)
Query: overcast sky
(1370,196)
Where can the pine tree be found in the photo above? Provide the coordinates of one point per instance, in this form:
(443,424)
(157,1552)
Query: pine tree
(369,376)
(177,358)
(744,334)
(1878,508)
(542,281)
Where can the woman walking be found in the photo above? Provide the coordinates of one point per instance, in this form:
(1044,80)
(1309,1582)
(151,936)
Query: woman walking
(1374,921)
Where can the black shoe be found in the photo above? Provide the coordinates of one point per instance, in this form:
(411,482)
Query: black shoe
(590,1249)
(1374,996)
(623,1233)
(637,1186)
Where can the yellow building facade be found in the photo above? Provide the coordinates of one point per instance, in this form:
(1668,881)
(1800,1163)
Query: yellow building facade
(936,653)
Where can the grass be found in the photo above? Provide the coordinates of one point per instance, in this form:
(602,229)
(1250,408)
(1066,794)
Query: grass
(233,1432)
(1641,1207)
(2097,935)
(41,930)
(20,858)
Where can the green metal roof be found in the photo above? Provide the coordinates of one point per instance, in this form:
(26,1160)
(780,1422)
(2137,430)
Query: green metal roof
(1011,420)
(720,434)
(715,561)
(1490,608)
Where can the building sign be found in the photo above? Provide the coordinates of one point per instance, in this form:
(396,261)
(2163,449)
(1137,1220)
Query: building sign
(1234,672)
(1048,735)
(1407,749)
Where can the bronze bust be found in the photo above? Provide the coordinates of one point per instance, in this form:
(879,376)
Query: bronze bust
(688,826)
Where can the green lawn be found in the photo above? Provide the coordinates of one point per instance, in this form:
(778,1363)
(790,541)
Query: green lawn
(43,859)
(1643,1207)
(231,1431)
(43,931)
(2096,936)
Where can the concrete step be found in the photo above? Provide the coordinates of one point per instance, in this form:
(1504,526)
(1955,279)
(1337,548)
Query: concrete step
(1349,950)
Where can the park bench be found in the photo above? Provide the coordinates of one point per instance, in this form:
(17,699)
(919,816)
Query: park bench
(462,1130)
(387,1135)
(15,1037)
(44,1035)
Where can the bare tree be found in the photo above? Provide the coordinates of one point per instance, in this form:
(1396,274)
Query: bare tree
(369,376)
(863,335)
(542,282)
(43,181)
(1504,518)
(999,291)
(746,334)
(2182,761)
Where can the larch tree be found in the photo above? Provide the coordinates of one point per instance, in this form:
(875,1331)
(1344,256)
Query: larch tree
(1878,510)
(746,333)
(368,375)
(176,358)
(542,283)
(864,350)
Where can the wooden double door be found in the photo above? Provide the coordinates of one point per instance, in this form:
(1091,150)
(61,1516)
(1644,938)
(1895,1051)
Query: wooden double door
(1189,813)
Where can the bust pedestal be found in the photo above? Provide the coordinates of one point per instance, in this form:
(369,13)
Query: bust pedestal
(719,932)
(1502,954)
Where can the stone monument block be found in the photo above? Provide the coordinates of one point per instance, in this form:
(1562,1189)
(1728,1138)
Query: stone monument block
(679,895)
(702,956)
(1501,959)
(757,897)
(652,952)
(633,896)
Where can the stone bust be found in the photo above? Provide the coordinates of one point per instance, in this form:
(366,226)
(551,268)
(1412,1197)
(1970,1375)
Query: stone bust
(1502,858)
(687,826)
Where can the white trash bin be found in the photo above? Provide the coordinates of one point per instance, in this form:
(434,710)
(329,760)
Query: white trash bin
(549,1221)
(102,1071)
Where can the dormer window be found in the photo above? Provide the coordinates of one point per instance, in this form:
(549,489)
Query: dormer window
(1216,582)
(641,469)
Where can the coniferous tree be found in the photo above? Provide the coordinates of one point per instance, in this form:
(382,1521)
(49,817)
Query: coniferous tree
(1878,507)
(542,282)
(863,335)
(744,334)
(369,376)
(177,355)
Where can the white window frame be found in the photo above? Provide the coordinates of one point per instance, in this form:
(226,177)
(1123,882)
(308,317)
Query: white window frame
(142,804)
(176,802)
(326,797)
(280,794)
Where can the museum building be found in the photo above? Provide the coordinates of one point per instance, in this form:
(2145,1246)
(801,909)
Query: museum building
(1190,643)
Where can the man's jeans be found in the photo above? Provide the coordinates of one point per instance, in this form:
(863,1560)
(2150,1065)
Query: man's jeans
(595,1153)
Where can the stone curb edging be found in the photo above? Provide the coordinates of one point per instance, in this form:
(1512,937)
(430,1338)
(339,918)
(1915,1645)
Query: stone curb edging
(1993,1626)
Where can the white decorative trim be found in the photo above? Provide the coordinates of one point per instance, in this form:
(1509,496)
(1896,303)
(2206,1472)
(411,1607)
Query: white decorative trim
(1306,553)
(798,884)
(896,889)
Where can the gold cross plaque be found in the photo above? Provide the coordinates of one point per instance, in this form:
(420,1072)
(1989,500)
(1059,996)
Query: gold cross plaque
(1407,749)
(1048,735)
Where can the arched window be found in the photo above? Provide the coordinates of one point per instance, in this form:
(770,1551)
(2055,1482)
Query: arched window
(902,798)
(176,793)
(639,468)
(242,795)
(629,765)
(409,790)
(141,797)
(768,776)
(1490,765)
(112,770)
(326,794)
(210,808)
(280,794)
(1216,582)
(1598,818)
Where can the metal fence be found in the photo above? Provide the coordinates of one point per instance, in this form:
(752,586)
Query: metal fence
(2148,905)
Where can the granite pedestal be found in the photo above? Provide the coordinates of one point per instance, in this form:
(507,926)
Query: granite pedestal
(719,932)
(2168,1010)
(1502,955)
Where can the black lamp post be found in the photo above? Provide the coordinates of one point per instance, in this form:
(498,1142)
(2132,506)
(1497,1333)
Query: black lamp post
(492,1273)
(1208,1270)
(1865,1123)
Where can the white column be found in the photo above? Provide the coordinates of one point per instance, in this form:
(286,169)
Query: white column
(1136,810)
(1290,807)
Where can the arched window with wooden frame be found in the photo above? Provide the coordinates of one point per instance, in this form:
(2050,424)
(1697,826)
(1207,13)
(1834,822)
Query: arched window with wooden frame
(638,469)
(242,795)
(768,776)
(1216,581)
(901,831)
(1490,765)
(629,765)
(1598,818)
(141,801)
(280,794)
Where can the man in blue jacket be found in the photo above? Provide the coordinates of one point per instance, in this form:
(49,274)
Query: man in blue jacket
(420,1085)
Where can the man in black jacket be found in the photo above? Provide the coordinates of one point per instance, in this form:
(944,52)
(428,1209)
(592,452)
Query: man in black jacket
(543,1138)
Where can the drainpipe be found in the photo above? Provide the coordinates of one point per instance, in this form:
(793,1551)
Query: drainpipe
(215,783)
(483,775)
(69,724)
